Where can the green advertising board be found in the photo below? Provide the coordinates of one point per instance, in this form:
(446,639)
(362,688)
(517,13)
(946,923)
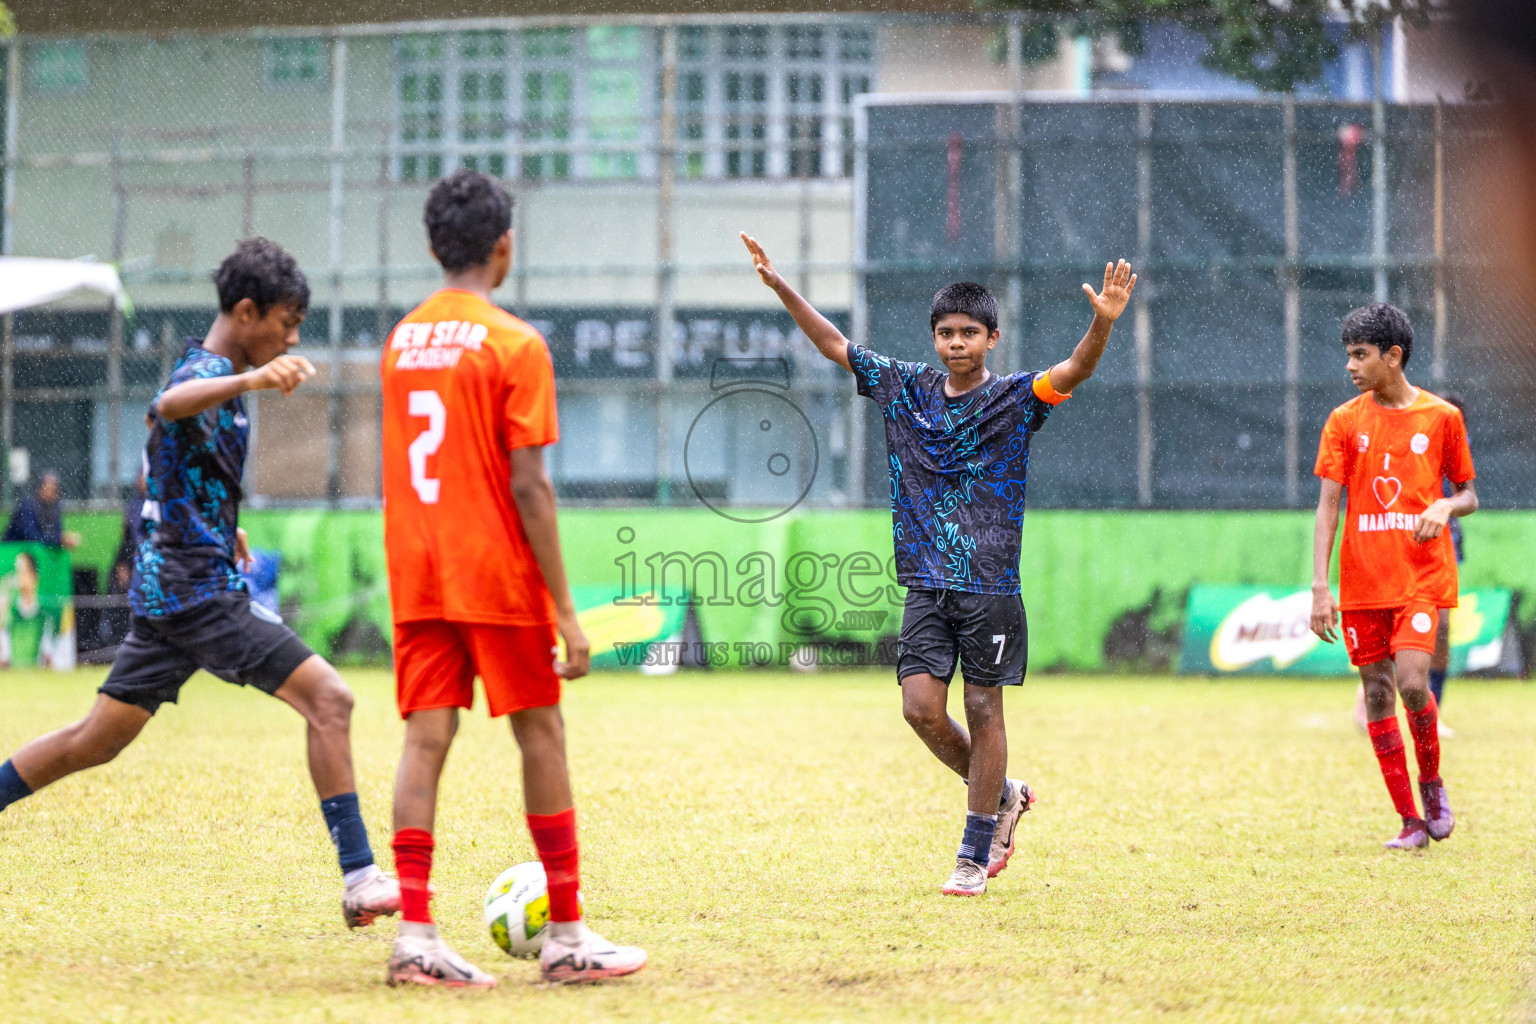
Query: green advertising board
(37,611)
(1236,630)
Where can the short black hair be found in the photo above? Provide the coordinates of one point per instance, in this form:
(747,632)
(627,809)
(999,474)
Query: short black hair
(260,270)
(965,297)
(1381,324)
(466,213)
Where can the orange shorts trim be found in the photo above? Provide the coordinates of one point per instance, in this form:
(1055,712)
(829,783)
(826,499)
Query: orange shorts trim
(1372,634)
(436,663)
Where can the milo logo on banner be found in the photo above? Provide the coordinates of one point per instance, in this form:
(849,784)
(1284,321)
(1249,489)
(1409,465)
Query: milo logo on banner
(1266,630)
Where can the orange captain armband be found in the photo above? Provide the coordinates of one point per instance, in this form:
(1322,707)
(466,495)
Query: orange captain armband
(1045,392)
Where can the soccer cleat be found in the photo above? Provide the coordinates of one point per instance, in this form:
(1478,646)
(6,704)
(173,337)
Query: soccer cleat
(428,960)
(377,895)
(969,879)
(1446,732)
(1439,820)
(1413,836)
(589,958)
(1020,799)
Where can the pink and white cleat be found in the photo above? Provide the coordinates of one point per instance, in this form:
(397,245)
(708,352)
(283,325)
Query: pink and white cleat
(421,957)
(1020,799)
(969,879)
(1413,836)
(1438,817)
(586,957)
(373,896)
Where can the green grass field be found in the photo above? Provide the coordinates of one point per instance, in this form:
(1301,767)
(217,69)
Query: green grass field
(1202,851)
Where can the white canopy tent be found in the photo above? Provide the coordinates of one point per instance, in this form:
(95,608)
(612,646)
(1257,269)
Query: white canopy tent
(26,282)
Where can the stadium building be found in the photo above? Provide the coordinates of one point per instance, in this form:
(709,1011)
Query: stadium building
(155,144)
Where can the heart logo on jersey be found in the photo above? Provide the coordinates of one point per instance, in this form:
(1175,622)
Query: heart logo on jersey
(1382,484)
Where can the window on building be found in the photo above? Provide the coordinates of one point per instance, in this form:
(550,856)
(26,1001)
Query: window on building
(296,61)
(59,67)
(771,101)
(753,101)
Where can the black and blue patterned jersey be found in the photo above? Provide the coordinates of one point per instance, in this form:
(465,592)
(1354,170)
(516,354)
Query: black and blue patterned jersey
(192,473)
(958,468)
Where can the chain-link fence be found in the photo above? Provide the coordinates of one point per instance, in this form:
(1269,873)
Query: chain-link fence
(1255,227)
(637,149)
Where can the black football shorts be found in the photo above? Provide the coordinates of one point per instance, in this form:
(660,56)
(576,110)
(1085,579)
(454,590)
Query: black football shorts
(986,633)
(229,635)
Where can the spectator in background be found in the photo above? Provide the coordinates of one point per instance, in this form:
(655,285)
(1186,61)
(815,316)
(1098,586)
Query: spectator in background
(39,517)
(133,535)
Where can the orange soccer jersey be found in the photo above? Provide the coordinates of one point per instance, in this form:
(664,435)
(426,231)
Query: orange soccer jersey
(1391,463)
(464,384)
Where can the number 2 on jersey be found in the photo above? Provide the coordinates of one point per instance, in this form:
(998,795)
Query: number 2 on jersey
(427,404)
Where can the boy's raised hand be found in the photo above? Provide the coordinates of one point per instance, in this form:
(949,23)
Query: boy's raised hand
(284,373)
(761,263)
(1118,283)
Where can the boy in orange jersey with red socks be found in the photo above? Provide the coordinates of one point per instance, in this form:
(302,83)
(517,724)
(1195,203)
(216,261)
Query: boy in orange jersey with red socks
(1390,449)
(477,582)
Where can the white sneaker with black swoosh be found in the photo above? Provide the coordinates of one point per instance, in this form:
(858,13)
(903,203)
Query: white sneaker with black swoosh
(1020,799)
(589,957)
(421,957)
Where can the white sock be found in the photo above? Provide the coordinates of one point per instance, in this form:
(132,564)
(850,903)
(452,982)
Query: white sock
(418,930)
(359,875)
(568,932)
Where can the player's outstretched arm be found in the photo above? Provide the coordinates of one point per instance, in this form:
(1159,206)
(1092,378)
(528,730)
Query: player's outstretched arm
(535,498)
(829,341)
(1107,307)
(1325,613)
(190,397)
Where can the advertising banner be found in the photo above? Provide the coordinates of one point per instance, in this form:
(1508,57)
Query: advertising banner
(1244,630)
(37,611)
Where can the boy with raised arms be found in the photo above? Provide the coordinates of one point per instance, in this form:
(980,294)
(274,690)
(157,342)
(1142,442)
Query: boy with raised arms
(959,450)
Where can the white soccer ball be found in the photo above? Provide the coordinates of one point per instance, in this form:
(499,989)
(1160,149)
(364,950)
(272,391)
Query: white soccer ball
(517,909)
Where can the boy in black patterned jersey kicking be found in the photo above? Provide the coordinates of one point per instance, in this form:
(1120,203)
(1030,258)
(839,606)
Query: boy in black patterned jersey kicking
(190,605)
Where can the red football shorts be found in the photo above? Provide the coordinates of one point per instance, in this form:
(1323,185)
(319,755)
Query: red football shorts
(436,663)
(1375,633)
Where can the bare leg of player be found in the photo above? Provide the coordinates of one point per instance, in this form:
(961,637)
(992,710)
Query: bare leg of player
(316,691)
(924,703)
(97,738)
(420,956)
(572,952)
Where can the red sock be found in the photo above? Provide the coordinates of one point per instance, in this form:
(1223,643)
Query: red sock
(554,836)
(413,863)
(1387,738)
(1425,726)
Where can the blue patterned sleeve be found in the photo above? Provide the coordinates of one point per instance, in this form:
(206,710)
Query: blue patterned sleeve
(197,364)
(880,377)
(1037,398)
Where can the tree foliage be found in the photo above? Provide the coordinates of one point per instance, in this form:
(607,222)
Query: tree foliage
(7,21)
(1275,45)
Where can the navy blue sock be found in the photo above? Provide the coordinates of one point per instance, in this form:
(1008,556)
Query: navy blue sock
(977,843)
(345,821)
(11,786)
(1436,684)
